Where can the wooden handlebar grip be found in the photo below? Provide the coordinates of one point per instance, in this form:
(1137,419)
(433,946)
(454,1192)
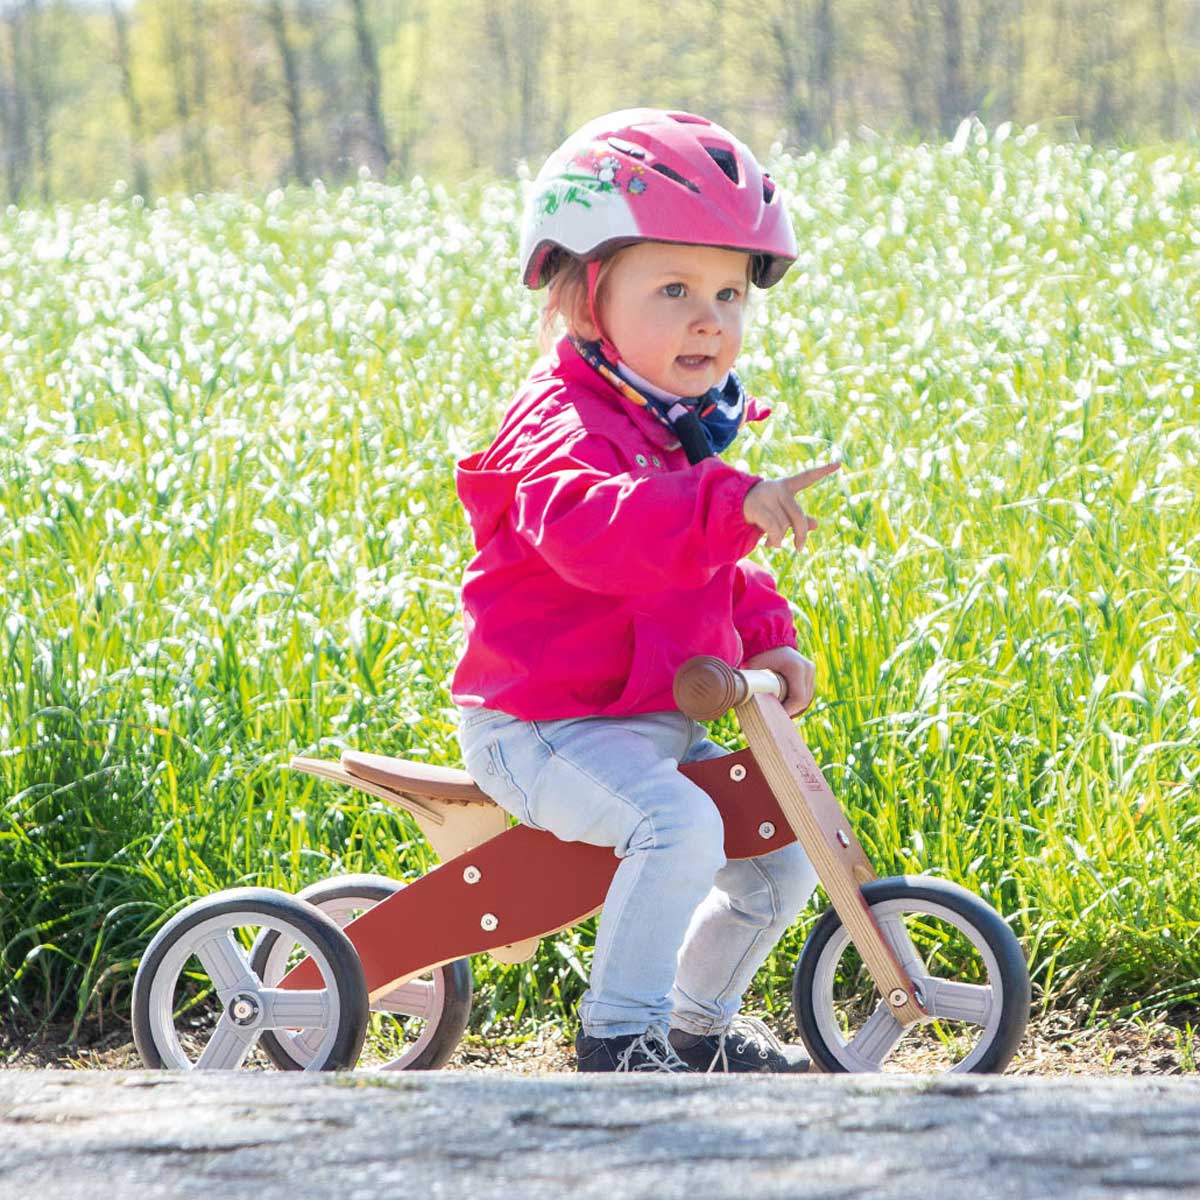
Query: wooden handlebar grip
(706,688)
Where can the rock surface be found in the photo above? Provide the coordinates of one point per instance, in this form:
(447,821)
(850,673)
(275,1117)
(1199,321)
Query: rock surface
(215,1137)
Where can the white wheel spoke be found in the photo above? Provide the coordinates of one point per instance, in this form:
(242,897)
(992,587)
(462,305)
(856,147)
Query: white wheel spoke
(227,1048)
(416,998)
(895,933)
(950,1001)
(308,1043)
(283,1009)
(226,964)
(877,1038)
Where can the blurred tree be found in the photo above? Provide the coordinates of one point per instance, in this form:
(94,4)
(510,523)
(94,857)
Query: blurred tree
(380,153)
(141,176)
(16,104)
(216,93)
(804,41)
(951,95)
(277,21)
(185,53)
(34,44)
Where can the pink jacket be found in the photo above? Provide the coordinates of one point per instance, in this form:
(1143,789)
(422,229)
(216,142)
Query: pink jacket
(604,559)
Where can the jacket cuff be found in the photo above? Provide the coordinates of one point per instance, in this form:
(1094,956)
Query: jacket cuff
(779,631)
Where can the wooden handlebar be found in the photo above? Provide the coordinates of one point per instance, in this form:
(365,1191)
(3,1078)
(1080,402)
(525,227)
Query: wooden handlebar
(706,688)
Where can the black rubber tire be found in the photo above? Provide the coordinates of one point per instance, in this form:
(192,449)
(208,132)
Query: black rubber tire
(348,979)
(1000,939)
(455,978)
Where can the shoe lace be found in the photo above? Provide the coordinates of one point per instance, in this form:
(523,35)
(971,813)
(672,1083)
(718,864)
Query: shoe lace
(752,1033)
(659,1054)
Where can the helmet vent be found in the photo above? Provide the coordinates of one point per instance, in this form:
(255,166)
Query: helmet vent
(626,147)
(685,118)
(724,159)
(671,173)
(768,188)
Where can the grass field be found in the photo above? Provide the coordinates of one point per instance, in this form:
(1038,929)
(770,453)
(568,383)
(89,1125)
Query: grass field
(228,534)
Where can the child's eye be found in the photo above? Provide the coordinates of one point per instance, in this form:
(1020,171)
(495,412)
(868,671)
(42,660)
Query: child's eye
(674,290)
(729,293)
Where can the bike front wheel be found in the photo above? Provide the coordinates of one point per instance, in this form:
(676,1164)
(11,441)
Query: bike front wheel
(964,961)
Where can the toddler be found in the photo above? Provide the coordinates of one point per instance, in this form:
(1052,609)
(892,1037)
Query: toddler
(610,543)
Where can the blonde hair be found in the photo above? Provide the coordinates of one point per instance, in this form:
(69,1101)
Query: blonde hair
(566,307)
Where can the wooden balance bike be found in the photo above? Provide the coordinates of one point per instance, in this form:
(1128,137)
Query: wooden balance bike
(906,973)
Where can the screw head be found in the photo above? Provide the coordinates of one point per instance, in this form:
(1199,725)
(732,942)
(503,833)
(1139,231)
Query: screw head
(489,921)
(897,997)
(472,874)
(766,830)
(737,772)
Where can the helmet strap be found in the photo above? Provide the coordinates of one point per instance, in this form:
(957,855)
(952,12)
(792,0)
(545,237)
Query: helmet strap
(606,347)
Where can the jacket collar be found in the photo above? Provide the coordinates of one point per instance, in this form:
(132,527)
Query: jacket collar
(579,371)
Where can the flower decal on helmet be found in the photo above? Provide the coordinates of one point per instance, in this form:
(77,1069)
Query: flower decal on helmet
(607,168)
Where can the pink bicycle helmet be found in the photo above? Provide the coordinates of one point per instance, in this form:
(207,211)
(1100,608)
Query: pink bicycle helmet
(645,175)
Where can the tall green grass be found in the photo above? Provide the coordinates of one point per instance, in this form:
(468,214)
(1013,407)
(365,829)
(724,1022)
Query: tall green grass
(228,534)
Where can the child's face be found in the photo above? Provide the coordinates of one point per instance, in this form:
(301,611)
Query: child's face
(675,313)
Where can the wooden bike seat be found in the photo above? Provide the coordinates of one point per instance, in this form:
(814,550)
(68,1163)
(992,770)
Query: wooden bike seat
(415,778)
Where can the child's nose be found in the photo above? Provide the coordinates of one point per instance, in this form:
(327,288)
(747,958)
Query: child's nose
(707,318)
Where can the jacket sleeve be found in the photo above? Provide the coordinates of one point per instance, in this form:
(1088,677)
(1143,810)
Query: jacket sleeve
(606,529)
(761,615)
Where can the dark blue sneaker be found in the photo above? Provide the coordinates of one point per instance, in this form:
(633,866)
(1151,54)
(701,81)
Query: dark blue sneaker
(747,1045)
(649,1051)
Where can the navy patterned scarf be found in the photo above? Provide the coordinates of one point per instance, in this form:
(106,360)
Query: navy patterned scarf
(705,425)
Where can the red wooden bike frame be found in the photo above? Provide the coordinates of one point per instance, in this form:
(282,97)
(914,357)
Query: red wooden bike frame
(506,892)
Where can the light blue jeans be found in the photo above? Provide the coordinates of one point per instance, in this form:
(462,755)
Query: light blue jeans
(682,931)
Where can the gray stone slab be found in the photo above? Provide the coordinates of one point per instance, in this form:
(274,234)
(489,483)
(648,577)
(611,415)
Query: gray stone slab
(354,1137)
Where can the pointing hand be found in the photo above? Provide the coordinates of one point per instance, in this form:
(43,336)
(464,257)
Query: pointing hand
(771,505)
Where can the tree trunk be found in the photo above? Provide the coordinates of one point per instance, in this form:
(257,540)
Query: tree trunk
(173,51)
(39,66)
(912,73)
(141,176)
(201,23)
(1104,104)
(820,90)
(410,106)
(368,59)
(1014,64)
(1169,101)
(528,39)
(991,36)
(797,113)
(291,87)
(16,110)
(951,100)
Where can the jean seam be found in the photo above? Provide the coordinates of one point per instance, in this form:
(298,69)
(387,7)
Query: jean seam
(723,994)
(614,919)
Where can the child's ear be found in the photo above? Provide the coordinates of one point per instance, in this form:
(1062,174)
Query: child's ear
(582,324)
(585,327)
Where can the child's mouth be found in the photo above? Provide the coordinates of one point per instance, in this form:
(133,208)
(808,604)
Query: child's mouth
(693,362)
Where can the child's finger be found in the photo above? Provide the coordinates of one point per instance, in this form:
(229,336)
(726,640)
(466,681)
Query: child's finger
(797,483)
(802,529)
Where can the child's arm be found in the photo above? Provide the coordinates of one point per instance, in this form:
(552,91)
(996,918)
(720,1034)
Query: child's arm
(764,621)
(607,529)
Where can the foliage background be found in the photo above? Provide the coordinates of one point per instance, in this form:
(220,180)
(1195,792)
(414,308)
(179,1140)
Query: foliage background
(204,95)
(228,534)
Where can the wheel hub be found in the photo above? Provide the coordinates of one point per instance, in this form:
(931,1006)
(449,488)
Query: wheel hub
(244,1009)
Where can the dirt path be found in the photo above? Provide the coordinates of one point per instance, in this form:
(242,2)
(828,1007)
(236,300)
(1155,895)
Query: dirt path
(228,1135)
(1055,1045)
